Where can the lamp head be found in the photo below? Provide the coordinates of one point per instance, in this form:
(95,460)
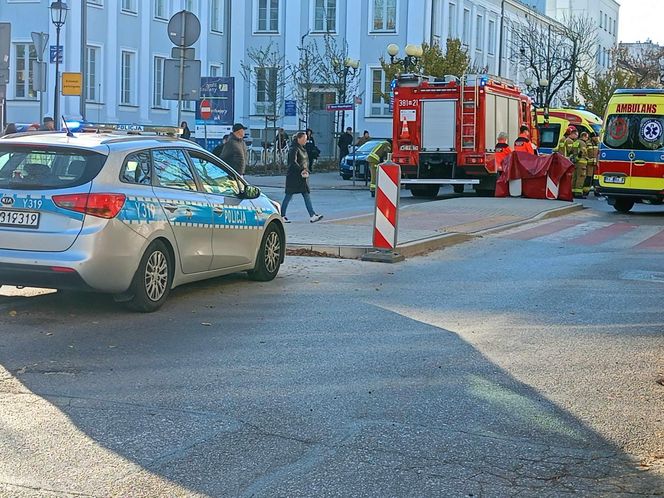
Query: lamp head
(58,13)
(528,81)
(392,49)
(544,82)
(411,50)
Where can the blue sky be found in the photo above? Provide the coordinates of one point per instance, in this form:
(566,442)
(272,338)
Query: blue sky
(641,19)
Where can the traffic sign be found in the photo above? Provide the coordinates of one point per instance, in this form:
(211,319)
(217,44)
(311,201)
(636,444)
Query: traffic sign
(290,108)
(40,40)
(56,52)
(184,28)
(340,107)
(206,109)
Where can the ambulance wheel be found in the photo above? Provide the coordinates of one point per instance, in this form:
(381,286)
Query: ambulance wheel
(458,189)
(424,190)
(623,205)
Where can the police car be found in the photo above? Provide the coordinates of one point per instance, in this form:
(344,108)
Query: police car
(133,215)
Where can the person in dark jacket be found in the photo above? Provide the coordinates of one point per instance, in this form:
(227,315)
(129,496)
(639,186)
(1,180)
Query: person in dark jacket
(344,142)
(235,150)
(297,177)
(312,151)
(217,150)
(186,132)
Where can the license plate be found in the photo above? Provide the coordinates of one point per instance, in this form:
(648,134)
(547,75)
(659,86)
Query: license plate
(614,179)
(25,219)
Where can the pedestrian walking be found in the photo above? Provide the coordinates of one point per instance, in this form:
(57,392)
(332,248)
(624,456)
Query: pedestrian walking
(217,150)
(297,177)
(344,143)
(234,152)
(9,129)
(48,124)
(364,138)
(186,132)
(281,139)
(312,151)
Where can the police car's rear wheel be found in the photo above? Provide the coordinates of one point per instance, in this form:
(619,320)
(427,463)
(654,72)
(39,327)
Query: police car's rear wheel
(269,256)
(623,205)
(152,282)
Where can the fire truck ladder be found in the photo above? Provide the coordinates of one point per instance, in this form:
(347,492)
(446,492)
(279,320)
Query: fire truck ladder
(469,103)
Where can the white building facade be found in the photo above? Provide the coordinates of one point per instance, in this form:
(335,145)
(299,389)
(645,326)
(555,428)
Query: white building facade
(127,44)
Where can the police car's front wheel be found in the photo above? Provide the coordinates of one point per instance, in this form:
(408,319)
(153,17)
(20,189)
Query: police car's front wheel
(152,282)
(270,255)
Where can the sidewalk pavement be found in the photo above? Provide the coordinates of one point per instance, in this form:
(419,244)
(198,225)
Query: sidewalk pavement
(324,180)
(424,227)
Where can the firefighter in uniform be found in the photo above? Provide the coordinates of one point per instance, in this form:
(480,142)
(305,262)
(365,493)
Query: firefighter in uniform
(502,151)
(593,151)
(523,143)
(377,156)
(561,148)
(578,154)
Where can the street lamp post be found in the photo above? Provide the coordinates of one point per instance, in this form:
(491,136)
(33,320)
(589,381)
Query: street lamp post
(58,17)
(348,66)
(413,54)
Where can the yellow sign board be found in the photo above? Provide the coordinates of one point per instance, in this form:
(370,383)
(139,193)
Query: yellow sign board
(72,84)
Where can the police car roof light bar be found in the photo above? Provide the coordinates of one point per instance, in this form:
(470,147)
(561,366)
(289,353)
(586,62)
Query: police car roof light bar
(131,129)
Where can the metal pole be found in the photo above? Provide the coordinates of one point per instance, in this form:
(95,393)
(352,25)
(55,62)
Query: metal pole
(500,43)
(181,76)
(84,54)
(354,146)
(56,99)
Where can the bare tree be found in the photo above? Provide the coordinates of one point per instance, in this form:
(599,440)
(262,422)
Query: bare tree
(643,64)
(335,71)
(305,76)
(597,92)
(265,70)
(555,52)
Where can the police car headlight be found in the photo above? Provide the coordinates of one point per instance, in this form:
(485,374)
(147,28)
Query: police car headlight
(276,205)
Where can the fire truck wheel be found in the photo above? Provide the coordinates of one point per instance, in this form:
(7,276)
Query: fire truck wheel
(458,189)
(623,205)
(485,193)
(424,190)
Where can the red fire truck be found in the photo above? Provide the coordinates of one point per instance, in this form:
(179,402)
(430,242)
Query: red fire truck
(445,129)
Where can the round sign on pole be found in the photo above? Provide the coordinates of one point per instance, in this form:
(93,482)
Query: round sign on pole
(206,109)
(184,28)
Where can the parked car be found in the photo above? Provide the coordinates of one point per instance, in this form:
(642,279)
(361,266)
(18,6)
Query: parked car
(129,215)
(360,158)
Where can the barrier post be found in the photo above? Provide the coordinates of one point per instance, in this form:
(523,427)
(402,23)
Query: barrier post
(386,214)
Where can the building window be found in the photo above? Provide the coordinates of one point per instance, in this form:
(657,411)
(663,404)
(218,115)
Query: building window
(385,15)
(436,25)
(215,70)
(190,5)
(26,56)
(492,37)
(127,91)
(380,86)
(606,22)
(266,90)
(268,15)
(158,83)
(92,79)
(160,9)
(216,16)
(129,6)
(96,2)
(479,34)
(452,21)
(187,105)
(325,15)
(466,26)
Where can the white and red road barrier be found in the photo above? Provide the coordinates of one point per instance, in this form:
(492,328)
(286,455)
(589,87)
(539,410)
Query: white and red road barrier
(388,186)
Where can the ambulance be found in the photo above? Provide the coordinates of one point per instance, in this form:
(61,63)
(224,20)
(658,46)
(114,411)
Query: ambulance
(630,166)
(550,132)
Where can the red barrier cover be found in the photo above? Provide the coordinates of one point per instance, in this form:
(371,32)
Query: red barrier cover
(537,174)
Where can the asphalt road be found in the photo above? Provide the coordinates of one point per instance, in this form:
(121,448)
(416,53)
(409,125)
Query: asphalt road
(524,363)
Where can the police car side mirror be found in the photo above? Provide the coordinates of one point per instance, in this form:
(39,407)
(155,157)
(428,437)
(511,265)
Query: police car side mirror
(251,192)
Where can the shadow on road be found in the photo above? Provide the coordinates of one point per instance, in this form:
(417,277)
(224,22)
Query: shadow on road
(242,389)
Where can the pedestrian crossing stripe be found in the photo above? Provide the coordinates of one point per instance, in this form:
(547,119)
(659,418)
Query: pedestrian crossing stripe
(605,235)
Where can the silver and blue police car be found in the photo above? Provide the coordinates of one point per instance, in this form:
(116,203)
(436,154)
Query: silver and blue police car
(129,215)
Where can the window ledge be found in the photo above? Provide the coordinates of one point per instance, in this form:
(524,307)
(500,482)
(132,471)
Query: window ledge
(133,106)
(155,108)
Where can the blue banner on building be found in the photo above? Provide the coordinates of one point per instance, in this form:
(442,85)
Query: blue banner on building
(290,108)
(216,103)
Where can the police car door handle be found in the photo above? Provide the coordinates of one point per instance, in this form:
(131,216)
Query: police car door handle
(640,162)
(170,207)
(218,211)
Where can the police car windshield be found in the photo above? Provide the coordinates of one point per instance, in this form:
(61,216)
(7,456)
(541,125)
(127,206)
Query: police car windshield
(34,168)
(634,131)
(369,146)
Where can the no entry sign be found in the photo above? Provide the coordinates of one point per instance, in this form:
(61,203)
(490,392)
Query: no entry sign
(206,109)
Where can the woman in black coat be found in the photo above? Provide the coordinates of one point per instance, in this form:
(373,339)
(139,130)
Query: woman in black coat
(297,177)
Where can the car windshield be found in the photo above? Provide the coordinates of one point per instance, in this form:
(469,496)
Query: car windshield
(369,146)
(634,131)
(33,167)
